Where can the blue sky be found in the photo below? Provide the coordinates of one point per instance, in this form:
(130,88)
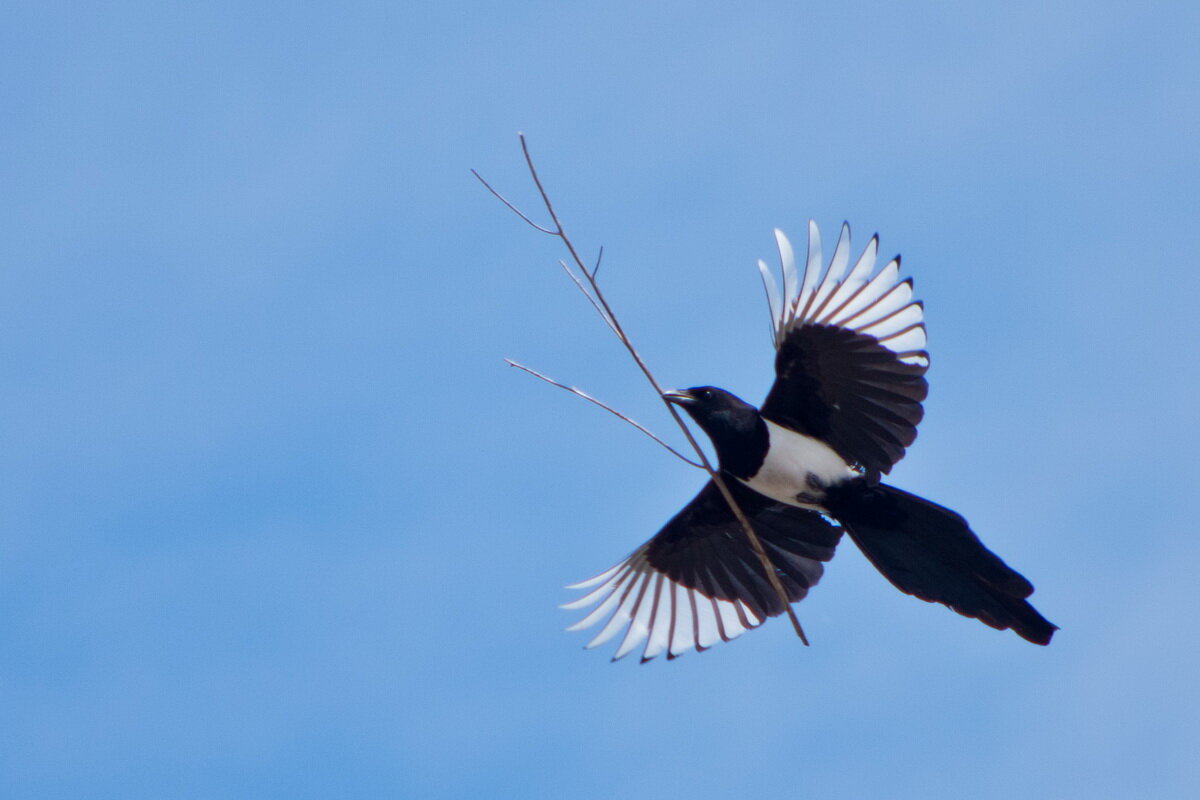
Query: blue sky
(276,520)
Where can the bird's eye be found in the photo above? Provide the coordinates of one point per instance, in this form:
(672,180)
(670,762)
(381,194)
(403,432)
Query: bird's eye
(706,394)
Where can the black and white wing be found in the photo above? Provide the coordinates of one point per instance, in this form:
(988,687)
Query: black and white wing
(850,352)
(698,582)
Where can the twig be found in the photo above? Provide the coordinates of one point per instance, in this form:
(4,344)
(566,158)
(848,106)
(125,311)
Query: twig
(588,295)
(511,207)
(600,303)
(608,408)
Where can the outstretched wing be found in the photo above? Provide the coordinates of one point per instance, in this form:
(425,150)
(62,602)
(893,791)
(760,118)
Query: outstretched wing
(698,580)
(850,360)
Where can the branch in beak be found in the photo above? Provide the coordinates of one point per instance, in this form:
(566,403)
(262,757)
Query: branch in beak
(679,397)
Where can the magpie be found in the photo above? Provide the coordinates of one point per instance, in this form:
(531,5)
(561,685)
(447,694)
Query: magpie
(806,467)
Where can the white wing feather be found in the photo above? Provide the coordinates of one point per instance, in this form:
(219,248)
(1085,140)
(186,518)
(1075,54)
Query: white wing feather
(875,304)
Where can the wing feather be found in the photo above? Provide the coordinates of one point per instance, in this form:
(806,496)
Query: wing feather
(698,581)
(850,357)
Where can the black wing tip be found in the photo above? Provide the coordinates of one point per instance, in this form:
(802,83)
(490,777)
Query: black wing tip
(1025,622)
(1037,635)
(1020,617)
(1035,628)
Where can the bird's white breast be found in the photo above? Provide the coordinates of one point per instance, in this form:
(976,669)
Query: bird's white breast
(797,468)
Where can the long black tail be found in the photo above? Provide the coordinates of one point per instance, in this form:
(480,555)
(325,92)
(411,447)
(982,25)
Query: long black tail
(930,552)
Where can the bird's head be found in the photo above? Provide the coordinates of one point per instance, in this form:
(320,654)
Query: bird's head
(709,402)
(734,426)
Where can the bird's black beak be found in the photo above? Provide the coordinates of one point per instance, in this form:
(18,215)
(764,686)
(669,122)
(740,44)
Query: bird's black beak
(679,397)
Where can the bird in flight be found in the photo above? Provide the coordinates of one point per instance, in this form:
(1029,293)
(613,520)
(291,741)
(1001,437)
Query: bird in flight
(804,468)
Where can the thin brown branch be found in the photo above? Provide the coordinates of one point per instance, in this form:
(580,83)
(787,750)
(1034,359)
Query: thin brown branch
(584,395)
(584,290)
(562,234)
(601,304)
(512,207)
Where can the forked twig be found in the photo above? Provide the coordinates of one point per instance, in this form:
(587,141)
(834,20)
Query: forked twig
(584,395)
(511,207)
(591,289)
(579,284)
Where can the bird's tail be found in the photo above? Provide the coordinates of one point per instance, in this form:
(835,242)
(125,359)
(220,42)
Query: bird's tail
(930,552)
